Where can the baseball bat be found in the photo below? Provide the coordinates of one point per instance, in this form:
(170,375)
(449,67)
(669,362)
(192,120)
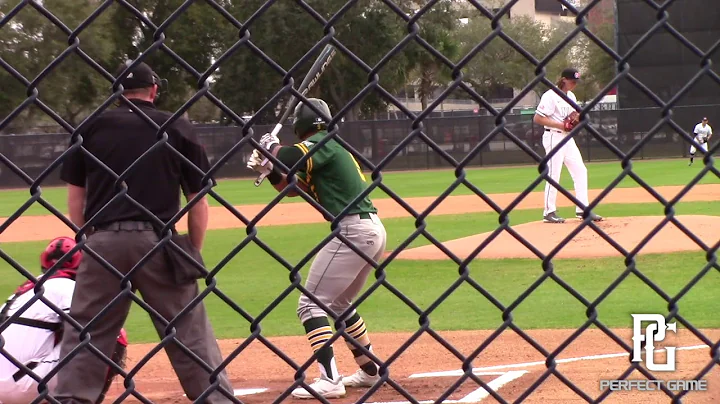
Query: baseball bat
(312,77)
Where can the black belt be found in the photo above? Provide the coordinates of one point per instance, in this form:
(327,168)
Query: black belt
(20,373)
(128,225)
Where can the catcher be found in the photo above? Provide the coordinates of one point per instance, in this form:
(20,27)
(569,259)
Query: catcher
(333,177)
(33,338)
(558,117)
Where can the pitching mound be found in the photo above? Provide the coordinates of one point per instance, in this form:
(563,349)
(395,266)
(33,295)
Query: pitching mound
(628,232)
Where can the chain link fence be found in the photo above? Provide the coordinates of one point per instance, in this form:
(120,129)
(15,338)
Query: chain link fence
(394,139)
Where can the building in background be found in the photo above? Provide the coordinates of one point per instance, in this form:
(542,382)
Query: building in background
(602,13)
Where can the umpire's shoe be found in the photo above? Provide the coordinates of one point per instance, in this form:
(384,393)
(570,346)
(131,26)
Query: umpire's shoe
(594,217)
(552,217)
(323,387)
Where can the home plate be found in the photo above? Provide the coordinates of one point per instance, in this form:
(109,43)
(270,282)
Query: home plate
(245,392)
(248,392)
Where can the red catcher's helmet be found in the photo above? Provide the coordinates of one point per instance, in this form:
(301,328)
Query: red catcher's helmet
(56,249)
(122,338)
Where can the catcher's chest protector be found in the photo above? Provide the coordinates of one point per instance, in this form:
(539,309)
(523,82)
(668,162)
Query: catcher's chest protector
(29,285)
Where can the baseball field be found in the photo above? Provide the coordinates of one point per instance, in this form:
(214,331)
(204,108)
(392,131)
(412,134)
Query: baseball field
(504,269)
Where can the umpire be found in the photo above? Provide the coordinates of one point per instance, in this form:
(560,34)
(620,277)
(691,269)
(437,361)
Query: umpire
(122,234)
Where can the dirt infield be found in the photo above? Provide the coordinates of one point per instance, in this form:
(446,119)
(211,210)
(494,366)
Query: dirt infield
(29,228)
(514,365)
(590,358)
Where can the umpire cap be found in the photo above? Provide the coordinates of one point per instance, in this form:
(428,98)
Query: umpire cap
(141,76)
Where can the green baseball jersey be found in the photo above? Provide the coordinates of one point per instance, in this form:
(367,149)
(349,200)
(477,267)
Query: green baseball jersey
(332,175)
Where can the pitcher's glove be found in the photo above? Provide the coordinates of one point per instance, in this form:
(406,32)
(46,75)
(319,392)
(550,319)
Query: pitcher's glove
(571,121)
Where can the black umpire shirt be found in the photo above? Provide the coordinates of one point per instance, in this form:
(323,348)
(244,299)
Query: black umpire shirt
(118,137)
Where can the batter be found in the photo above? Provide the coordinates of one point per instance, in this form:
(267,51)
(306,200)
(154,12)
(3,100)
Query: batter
(334,179)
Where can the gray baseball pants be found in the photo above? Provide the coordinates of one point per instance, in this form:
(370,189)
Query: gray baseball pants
(338,274)
(80,381)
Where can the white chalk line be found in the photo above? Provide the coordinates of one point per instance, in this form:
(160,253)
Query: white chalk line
(495,385)
(244,392)
(477,395)
(542,363)
(247,392)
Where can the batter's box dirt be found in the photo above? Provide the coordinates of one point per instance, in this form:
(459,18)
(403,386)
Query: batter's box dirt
(425,389)
(425,371)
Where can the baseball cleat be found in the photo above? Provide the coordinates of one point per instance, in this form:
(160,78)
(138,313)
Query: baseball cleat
(593,217)
(360,379)
(324,387)
(553,218)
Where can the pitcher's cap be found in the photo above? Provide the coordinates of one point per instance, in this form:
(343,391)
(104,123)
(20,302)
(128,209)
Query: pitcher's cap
(570,73)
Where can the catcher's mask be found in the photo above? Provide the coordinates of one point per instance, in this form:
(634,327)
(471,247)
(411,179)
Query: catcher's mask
(306,120)
(55,250)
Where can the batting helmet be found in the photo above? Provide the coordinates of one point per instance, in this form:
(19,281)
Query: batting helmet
(55,250)
(306,120)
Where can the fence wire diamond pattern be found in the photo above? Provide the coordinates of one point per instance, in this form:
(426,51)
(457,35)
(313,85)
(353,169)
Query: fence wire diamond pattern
(380,281)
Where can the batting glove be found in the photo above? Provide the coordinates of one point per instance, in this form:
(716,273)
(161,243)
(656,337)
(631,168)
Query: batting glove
(268,141)
(255,163)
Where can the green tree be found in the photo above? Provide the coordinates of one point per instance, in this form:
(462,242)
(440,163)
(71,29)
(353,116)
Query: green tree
(601,67)
(196,36)
(597,67)
(498,63)
(285,32)
(437,27)
(568,56)
(31,42)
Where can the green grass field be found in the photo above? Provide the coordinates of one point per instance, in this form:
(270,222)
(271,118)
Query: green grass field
(422,183)
(253,279)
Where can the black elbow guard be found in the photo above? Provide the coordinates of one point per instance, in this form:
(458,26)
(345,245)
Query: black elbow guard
(274,177)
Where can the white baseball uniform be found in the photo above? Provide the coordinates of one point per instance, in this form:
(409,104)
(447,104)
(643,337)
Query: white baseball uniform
(553,107)
(702,133)
(30,345)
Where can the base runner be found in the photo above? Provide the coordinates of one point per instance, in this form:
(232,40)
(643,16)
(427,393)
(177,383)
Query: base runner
(703,133)
(33,339)
(333,177)
(558,117)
